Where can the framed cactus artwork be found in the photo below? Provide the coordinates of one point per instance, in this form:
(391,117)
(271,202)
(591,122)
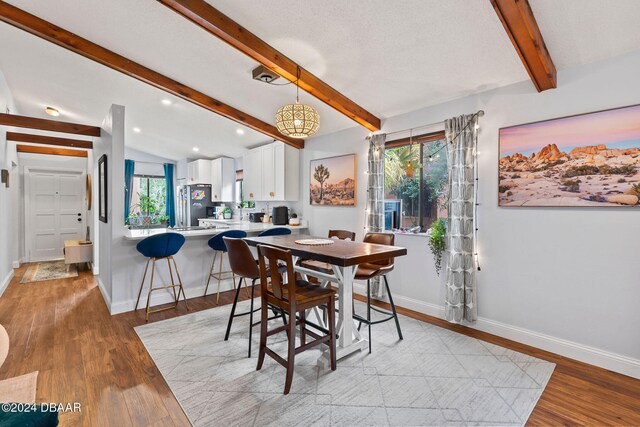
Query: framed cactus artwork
(584,160)
(332,181)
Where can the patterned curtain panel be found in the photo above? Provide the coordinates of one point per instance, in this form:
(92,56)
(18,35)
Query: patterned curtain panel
(460,297)
(374,218)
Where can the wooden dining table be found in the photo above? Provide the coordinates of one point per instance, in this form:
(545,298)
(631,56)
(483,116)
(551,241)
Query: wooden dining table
(344,256)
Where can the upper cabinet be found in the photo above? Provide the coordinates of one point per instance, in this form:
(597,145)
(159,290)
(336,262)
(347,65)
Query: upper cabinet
(223,179)
(271,173)
(199,172)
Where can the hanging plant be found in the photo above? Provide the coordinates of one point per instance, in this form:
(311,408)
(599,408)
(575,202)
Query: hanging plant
(437,234)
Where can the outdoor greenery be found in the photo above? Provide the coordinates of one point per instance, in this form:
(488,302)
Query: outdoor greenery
(403,171)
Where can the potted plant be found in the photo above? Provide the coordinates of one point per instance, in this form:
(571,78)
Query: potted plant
(226,213)
(437,233)
(161,219)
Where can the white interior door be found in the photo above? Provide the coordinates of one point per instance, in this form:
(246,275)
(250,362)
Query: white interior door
(55,211)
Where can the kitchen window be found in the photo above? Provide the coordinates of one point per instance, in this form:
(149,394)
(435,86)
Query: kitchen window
(149,195)
(415,182)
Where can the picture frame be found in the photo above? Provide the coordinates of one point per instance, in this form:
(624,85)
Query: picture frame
(333,181)
(583,160)
(102,189)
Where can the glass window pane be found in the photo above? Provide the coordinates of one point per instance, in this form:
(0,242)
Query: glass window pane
(402,184)
(435,176)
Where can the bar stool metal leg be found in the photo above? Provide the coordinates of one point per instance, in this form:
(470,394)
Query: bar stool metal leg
(153,270)
(215,254)
(184,295)
(393,307)
(369,311)
(144,276)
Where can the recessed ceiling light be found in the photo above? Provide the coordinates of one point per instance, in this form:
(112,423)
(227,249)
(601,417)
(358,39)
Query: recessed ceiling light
(196,149)
(240,131)
(166,102)
(52,111)
(137,130)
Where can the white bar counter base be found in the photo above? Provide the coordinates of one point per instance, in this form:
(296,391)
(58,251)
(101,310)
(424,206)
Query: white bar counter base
(193,259)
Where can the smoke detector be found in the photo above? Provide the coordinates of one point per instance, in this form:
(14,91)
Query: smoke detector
(264,74)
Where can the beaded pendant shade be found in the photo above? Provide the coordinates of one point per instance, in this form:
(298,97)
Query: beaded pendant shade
(297,120)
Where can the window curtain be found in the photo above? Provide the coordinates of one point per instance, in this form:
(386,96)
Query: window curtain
(170,195)
(374,217)
(129,168)
(460,296)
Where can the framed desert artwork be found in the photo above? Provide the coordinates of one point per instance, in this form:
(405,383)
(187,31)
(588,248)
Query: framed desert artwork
(332,181)
(584,160)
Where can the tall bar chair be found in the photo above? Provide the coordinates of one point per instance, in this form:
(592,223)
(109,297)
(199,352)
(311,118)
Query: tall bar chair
(294,297)
(219,249)
(370,270)
(244,266)
(275,231)
(155,248)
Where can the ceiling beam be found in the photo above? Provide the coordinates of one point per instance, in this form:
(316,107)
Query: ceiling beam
(49,140)
(54,151)
(521,27)
(61,37)
(50,125)
(215,22)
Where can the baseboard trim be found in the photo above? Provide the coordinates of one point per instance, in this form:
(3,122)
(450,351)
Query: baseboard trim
(6,282)
(159,298)
(594,356)
(105,295)
(15,264)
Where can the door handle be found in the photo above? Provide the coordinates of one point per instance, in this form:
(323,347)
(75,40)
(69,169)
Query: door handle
(79,219)
(79,214)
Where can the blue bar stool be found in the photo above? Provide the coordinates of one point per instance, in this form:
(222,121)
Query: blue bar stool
(158,247)
(275,231)
(217,244)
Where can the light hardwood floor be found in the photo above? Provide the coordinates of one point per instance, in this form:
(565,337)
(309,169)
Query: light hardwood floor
(62,328)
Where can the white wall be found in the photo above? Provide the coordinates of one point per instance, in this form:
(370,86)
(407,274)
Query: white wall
(147,164)
(561,279)
(7,199)
(111,143)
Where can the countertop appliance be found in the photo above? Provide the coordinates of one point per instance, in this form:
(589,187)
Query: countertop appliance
(256,216)
(193,202)
(280,215)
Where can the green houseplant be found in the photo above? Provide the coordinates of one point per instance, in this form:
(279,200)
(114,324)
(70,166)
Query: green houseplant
(437,234)
(226,213)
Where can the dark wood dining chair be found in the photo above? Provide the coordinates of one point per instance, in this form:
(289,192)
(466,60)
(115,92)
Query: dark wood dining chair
(244,265)
(293,297)
(371,270)
(324,267)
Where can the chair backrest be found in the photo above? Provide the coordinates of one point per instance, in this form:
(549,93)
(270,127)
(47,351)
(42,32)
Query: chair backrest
(241,259)
(217,243)
(275,231)
(161,245)
(271,262)
(381,239)
(342,235)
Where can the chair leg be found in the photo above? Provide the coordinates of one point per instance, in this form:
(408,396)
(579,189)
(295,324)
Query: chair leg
(153,270)
(393,306)
(332,332)
(369,311)
(291,353)
(184,295)
(264,315)
(253,282)
(218,278)
(173,283)
(144,276)
(233,310)
(303,332)
(206,288)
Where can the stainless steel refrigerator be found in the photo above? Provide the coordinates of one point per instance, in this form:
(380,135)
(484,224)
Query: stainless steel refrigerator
(193,203)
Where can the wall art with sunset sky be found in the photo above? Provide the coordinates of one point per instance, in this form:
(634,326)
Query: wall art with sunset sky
(585,160)
(332,181)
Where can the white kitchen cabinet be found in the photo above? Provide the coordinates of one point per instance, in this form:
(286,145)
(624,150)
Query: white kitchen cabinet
(252,171)
(199,172)
(223,179)
(271,173)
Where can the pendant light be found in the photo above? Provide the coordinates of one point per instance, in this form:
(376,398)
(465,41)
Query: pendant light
(297,120)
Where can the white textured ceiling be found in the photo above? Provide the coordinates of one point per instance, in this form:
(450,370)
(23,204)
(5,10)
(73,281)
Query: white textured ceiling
(579,32)
(388,56)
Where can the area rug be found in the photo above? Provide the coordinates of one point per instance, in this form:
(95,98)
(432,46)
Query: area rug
(20,389)
(49,270)
(432,377)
